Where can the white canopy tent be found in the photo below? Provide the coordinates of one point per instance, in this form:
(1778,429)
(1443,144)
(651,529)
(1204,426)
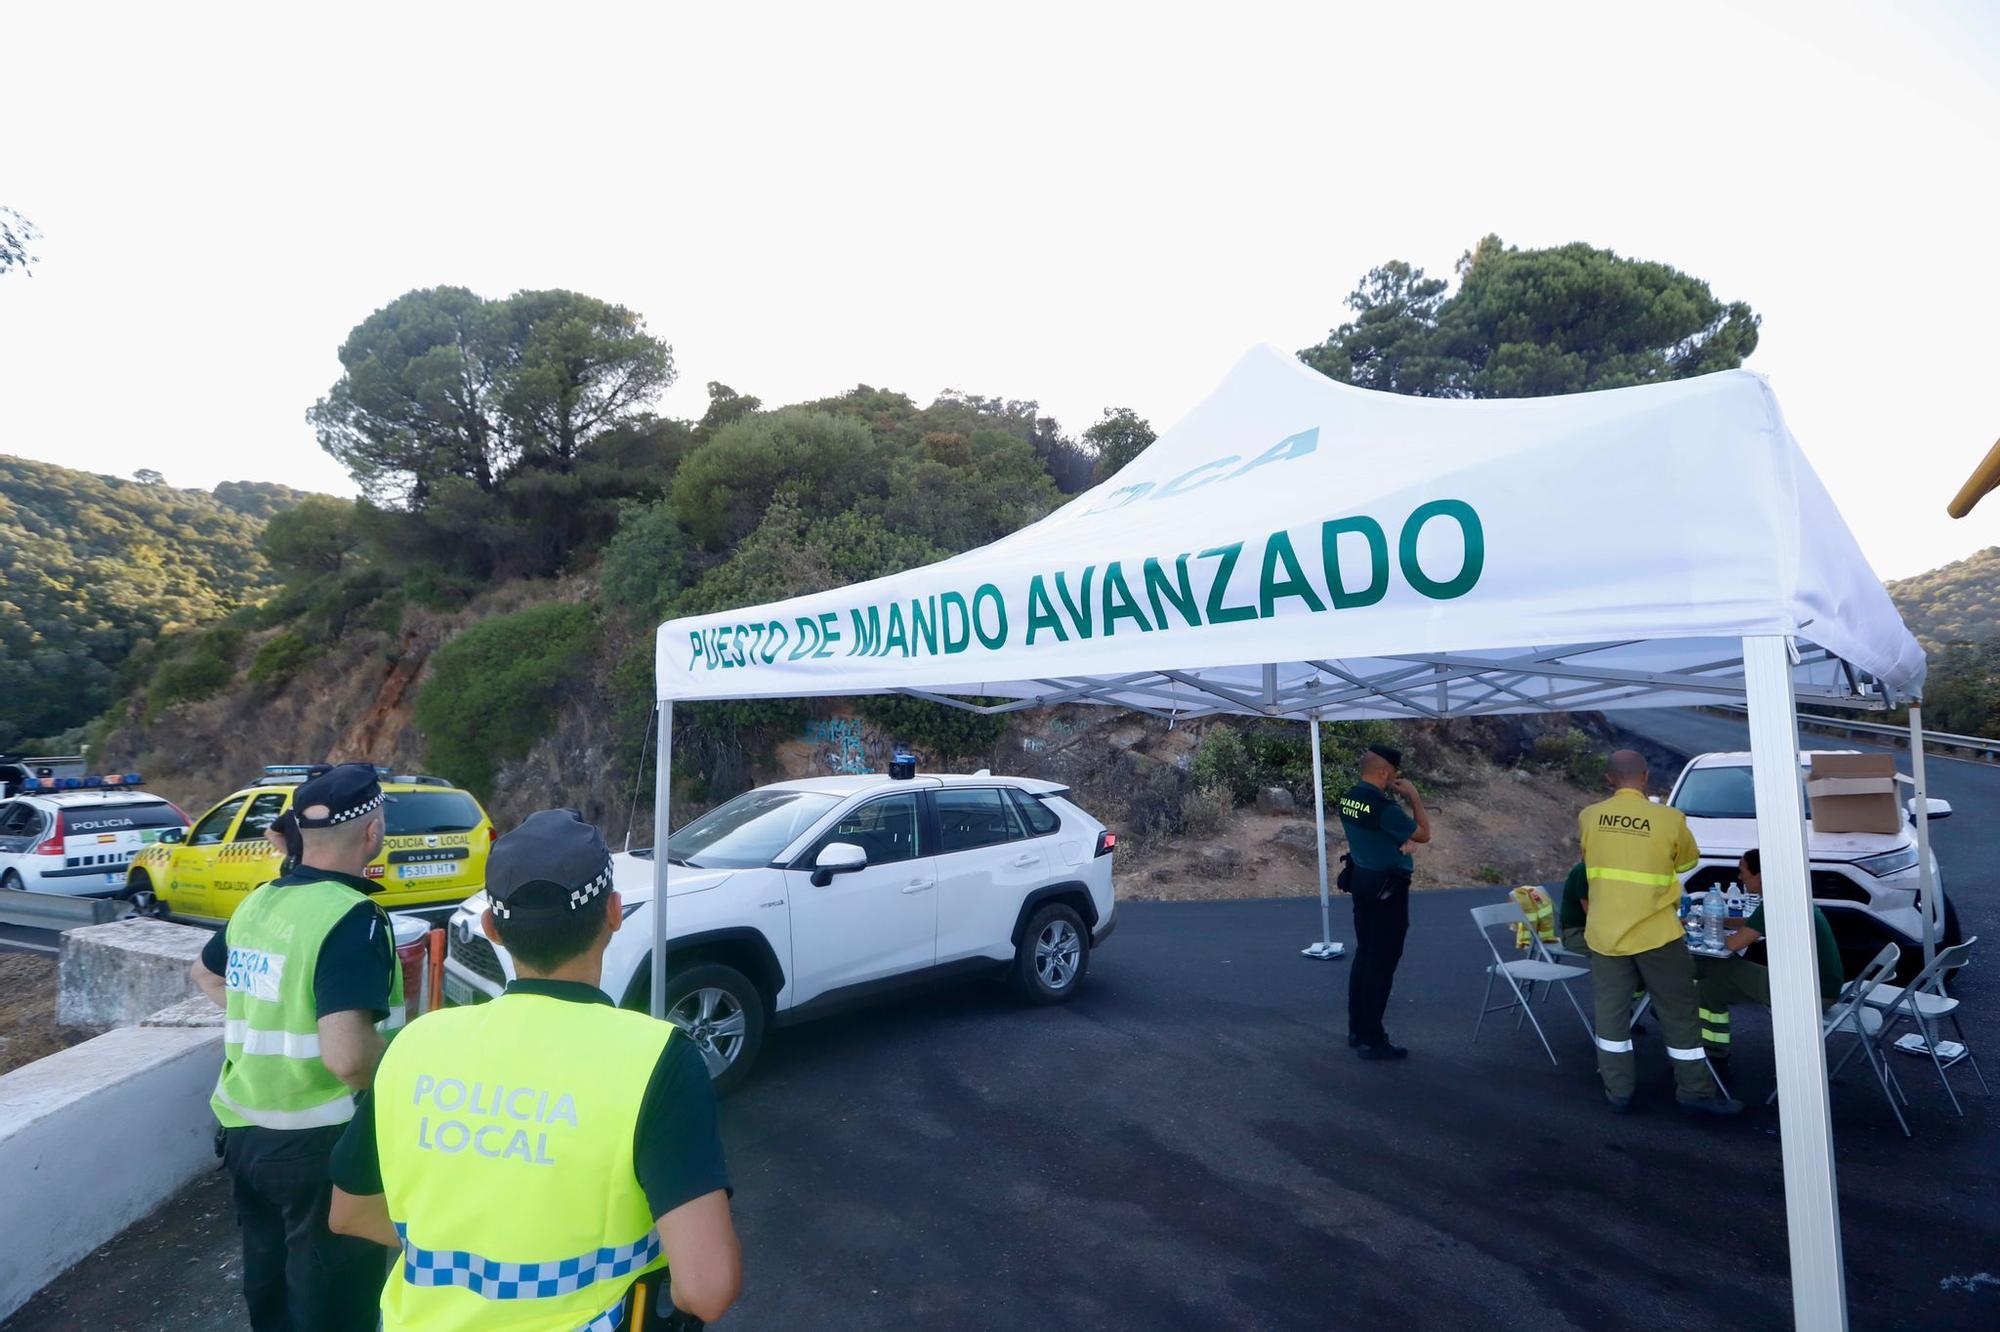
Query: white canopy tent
(1300,548)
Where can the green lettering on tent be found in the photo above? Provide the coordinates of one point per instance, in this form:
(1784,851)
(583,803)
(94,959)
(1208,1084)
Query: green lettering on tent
(808,638)
(898,637)
(1042,612)
(958,639)
(1217,590)
(1378,561)
(923,626)
(1475,549)
(1180,593)
(1120,606)
(1277,550)
(867,632)
(1291,446)
(828,635)
(989,595)
(1081,612)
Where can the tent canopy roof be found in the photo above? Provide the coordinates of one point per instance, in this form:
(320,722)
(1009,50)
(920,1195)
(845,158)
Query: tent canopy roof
(1300,547)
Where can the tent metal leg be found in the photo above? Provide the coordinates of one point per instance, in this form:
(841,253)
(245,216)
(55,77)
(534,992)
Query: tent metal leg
(1326,948)
(1926,872)
(662,795)
(1812,1203)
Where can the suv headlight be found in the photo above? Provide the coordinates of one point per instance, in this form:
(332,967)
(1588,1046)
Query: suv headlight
(1891,862)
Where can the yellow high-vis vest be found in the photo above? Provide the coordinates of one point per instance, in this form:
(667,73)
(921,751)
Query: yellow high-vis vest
(1634,853)
(505,1136)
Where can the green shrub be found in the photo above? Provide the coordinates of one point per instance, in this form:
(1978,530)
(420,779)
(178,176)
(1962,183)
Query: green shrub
(492,690)
(1206,813)
(280,658)
(201,669)
(1571,752)
(1222,764)
(932,728)
(646,563)
(1489,874)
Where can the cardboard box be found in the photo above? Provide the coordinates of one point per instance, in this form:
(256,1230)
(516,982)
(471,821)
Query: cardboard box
(1854,793)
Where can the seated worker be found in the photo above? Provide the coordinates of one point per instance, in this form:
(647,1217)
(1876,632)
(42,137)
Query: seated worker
(1574,910)
(1720,982)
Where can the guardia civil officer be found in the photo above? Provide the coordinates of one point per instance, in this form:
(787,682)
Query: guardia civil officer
(1634,853)
(1380,834)
(305,970)
(546,1160)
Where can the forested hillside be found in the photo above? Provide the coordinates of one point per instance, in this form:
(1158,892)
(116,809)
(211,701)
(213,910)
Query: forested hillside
(92,567)
(1955,612)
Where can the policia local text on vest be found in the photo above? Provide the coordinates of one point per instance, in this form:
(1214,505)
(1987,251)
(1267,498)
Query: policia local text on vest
(306,974)
(546,1160)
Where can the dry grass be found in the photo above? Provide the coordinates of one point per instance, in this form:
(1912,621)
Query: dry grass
(28,1027)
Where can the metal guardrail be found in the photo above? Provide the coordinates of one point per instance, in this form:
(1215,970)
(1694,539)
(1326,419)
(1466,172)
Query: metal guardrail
(1971,744)
(53,911)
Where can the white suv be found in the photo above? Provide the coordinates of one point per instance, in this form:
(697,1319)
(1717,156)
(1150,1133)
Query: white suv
(79,842)
(799,897)
(1866,883)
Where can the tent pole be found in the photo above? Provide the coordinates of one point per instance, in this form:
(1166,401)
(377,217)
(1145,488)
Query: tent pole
(663,777)
(1812,1203)
(1926,872)
(1319,822)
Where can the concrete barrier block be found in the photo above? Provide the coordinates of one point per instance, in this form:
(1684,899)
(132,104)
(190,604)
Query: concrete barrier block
(115,975)
(94,1138)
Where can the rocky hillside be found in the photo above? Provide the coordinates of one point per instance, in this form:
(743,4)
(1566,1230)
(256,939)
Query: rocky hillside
(1957,603)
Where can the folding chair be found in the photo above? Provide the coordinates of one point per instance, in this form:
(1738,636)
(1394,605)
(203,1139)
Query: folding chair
(1852,1014)
(1518,972)
(1925,1005)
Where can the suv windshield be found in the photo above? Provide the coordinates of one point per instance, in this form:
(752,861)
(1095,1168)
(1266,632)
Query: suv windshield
(750,830)
(1717,793)
(415,812)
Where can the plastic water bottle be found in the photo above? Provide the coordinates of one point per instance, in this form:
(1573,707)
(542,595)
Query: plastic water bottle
(1733,903)
(1711,919)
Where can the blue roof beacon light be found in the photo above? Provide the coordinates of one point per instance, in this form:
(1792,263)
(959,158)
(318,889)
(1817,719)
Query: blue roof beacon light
(902,765)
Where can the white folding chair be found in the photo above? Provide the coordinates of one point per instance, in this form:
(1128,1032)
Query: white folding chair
(1852,1014)
(1926,1006)
(1519,972)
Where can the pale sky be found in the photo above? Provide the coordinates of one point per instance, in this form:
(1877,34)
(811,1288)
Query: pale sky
(1084,204)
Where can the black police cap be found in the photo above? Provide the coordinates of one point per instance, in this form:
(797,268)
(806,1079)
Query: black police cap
(1388,753)
(348,790)
(553,849)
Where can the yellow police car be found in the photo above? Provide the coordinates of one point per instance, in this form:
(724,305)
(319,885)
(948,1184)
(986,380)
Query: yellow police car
(433,854)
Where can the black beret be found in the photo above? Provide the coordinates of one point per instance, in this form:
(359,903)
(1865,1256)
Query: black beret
(554,847)
(348,790)
(1390,753)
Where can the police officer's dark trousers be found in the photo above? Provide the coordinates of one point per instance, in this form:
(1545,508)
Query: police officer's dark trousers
(298,1276)
(1381,920)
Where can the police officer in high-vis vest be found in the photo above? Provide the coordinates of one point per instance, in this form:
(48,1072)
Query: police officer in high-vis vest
(305,971)
(546,1160)
(1634,853)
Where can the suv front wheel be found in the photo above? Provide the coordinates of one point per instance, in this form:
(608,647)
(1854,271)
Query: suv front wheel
(1053,955)
(717,1008)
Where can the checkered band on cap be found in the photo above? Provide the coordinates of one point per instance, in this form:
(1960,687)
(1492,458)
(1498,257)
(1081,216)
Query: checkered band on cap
(365,807)
(493,1280)
(578,897)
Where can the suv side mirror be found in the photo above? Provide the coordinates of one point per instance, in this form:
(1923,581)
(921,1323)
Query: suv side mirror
(173,835)
(1940,809)
(837,858)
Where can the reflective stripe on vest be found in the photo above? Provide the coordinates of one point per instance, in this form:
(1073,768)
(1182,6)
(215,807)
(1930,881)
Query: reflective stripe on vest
(291,1044)
(325,1115)
(496,1280)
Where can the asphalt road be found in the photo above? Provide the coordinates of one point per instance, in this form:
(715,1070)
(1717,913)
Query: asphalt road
(1189,1145)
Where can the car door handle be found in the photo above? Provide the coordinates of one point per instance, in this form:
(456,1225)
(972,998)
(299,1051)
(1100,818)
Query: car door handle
(1025,859)
(917,886)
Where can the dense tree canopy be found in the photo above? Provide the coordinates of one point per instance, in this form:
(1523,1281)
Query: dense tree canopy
(1117,439)
(1526,323)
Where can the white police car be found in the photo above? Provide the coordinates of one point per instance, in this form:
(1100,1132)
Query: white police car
(800,897)
(77,835)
